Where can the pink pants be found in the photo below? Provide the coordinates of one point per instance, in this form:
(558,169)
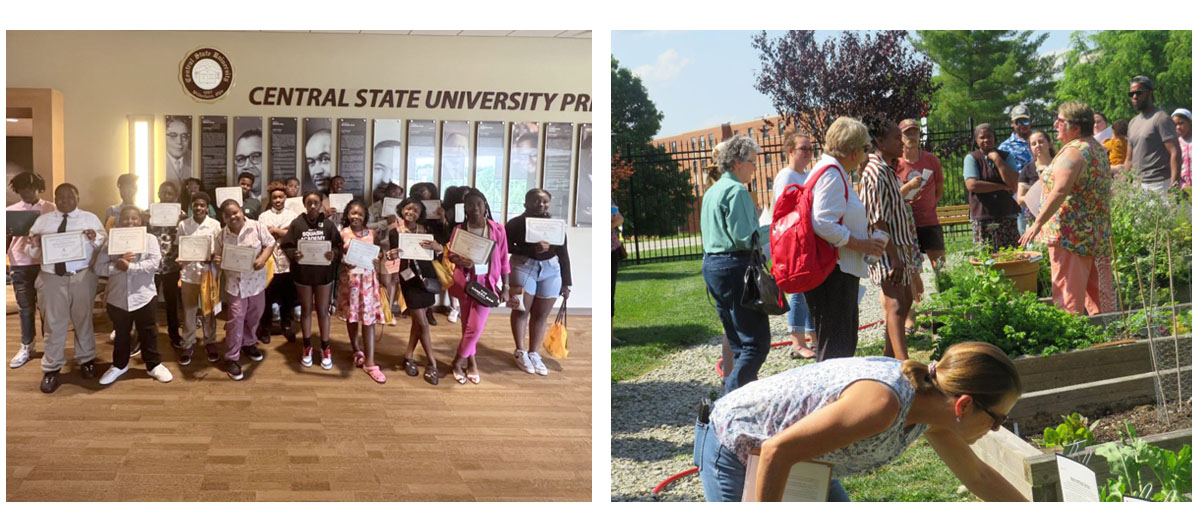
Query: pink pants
(1078,283)
(474,316)
(242,327)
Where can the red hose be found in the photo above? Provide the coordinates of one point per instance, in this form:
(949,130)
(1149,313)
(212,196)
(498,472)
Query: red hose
(671,479)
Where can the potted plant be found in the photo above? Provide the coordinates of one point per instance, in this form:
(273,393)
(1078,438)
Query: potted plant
(1019,266)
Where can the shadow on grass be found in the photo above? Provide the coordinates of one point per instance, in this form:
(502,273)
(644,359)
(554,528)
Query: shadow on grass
(633,276)
(662,335)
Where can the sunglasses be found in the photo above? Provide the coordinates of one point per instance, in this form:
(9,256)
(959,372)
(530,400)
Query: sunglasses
(1133,93)
(997,420)
(1022,122)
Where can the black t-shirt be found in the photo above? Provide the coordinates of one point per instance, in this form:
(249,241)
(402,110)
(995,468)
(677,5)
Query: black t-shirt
(323,229)
(517,246)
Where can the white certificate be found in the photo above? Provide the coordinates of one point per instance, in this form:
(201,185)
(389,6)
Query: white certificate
(361,254)
(410,246)
(475,248)
(195,248)
(238,258)
(460,213)
(389,206)
(313,252)
(127,240)
(229,192)
(339,201)
(431,206)
(553,231)
(164,214)
(59,247)
(295,204)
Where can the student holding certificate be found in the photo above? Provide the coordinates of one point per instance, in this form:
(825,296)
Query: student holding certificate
(451,202)
(130,301)
(858,414)
(127,188)
(488,274)
(541,272)
(358,293)
(413,273)
(25,266)
(282,290)
(434,222)
(245,282)
(167,277)
(198,231)
(68,285)
(314,281)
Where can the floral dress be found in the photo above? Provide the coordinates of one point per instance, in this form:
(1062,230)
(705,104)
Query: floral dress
(882,198)
(358,288)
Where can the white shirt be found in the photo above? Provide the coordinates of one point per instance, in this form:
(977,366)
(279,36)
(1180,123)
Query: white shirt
(785,177)
(133,288)
(255,235)
(192,271)
(17,255)
(831,202)
(278,219)
(1106,134)
(76,220)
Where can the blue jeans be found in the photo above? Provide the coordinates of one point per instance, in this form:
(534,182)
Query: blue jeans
(748,331)
(724,477)
(798,319)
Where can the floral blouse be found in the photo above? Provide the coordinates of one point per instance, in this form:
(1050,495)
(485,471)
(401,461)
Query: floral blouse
(883,201)
(1082,224)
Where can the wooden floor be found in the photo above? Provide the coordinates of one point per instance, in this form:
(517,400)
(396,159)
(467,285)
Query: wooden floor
(289,433)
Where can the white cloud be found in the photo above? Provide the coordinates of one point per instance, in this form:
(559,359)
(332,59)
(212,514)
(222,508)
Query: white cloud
(667,67)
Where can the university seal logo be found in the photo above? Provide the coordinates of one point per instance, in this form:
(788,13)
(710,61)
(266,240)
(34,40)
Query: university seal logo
(206,74)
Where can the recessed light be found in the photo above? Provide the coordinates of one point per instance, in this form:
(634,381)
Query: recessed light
(13,120)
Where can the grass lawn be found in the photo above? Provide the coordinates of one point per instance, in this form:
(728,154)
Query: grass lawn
(660,308)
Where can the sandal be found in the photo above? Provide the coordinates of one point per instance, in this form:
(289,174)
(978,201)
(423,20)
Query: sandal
(804,353)
(375,373)
(410,367)
(431,375)
(473,372)
(359,358)
(458,374)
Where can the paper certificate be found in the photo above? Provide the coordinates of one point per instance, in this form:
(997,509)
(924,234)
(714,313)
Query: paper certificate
(164,214)
(389,207)
(127,240)
(410,246)
(238,258)
(807,481)
(59,247)
(313,252)
(229,192)
(295,204)
(475,248)
(553,231)
(460,213)
(339,201)
(361,254)
(196,248)
(431,207)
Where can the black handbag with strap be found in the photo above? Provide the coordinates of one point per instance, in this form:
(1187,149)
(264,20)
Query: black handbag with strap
(760,292)
(482,294)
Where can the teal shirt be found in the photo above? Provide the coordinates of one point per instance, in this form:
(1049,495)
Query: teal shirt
(727,217)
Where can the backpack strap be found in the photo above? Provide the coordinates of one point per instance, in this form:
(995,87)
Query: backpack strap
(845,186)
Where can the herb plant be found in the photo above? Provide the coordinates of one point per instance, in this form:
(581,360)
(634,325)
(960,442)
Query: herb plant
(1074,430)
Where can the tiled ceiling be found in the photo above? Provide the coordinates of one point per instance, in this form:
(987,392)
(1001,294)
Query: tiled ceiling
(553,34)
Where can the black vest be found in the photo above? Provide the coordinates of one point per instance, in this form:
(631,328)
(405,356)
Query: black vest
(991,205)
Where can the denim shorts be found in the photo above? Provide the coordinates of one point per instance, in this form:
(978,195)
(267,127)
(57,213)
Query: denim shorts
(542,278)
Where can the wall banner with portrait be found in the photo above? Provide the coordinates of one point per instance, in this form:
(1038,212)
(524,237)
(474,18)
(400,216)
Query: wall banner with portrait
(456,145)
(214,152)
(352,155)
(583,186)
(248,151)
(422,152)
(556,170)
(387,154)
(489,164)
(318,154)
(179,148)
(524,147)
(283,149)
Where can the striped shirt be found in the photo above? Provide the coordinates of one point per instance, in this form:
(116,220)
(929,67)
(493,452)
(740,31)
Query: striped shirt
(883,201)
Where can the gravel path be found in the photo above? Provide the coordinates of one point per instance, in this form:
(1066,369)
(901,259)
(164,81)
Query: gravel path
(653,416)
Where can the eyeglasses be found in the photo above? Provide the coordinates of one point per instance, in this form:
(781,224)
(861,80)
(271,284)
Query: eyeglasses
(1133,93)
(804,149)
(254,158)
(997,421)
(1060,120)
(177,136)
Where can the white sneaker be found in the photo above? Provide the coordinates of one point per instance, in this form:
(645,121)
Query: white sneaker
(453,316)
(306,359)
(112,336)
(535,359)
(522,359)
(161,373)
(112,374)
(22,356)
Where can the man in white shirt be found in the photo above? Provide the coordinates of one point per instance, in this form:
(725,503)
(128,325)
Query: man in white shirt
(68,289)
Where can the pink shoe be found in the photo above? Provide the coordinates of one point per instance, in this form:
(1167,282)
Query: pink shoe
(375,373)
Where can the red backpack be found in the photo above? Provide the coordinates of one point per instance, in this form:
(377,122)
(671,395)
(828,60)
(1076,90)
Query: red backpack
(801,260)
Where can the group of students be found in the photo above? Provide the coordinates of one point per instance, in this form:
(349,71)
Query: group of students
(529,282)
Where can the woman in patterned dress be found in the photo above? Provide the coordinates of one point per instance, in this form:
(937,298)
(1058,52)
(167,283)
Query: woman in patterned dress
(887,211)
(358,293)
(858,414)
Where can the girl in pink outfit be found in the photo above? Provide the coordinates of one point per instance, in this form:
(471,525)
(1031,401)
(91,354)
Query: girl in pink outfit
(358,292)
(489,274)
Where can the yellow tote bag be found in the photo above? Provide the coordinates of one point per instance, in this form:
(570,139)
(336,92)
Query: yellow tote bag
(555,343)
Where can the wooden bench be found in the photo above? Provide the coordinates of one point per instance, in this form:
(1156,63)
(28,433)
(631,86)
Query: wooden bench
(953,215)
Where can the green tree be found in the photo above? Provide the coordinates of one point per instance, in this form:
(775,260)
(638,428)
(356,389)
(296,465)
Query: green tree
(635,119)
(1098,67)
(983,74)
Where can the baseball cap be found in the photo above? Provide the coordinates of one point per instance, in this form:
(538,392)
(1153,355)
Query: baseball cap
(1143,81)
(1020,111)
(1182,112)
(908,123)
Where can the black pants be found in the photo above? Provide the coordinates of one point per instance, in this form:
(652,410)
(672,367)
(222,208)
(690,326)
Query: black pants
(23,278)
(282,291)
(169,284)
(833,306)
(147,331)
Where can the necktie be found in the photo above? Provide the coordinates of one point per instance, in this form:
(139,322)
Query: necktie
(60,268)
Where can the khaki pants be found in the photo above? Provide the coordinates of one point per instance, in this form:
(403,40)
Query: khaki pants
(67,301)
(191,306)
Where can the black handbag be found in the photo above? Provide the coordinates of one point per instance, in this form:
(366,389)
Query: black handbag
(760,291)
(482,294)
(429,283)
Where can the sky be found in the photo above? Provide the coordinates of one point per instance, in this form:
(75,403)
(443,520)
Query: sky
(700,79)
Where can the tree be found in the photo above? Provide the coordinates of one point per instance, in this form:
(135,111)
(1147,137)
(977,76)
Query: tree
(812,84)
(983,74)
(635,119)
(1098,67)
